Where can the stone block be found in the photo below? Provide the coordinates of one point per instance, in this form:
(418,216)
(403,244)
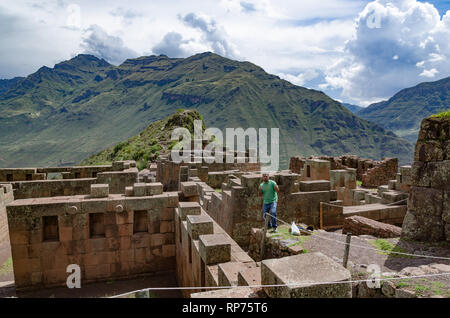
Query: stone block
(129,191)
(300,272)
(233,293)
(139,189)
(315,185)
(430,150)
(99,190)
(392,184)
(189,189)
(154,188)
(214,248)
(249,277)
(199,225)
(426,201)
(358,225)
(188,208)
(251,181)
(228,273)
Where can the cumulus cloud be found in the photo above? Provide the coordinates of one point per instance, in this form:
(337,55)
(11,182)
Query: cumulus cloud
(247,7)
(301,78)
(171,45)
(27,44)
(127,15)
(397,44)
(111,48)
(212,33)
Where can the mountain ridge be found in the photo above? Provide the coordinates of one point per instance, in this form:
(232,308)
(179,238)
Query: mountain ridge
(86,104)
(404,111)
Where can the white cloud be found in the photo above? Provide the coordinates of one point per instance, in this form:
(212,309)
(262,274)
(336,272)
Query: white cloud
(396,44)
(172,45)
(111,48)
(212,33)
(301,78)
(429,73)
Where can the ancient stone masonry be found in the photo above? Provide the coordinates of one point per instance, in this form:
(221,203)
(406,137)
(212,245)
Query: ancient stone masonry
(381,173)
(274,246)
(118,176)
(81,172)
(428,216)
(202,221)
(374,173)
(315,268)
(107,235)
(6,197)
(333,216)
(205,254)
(237,208)
(170,173)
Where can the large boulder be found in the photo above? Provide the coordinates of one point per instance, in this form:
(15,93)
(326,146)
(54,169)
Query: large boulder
(358,225)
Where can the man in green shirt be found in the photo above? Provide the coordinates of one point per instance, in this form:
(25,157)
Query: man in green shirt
(269,190)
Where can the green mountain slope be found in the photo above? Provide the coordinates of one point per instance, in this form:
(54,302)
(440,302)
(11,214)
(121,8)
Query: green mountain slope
(153,141)
(85,104)
(7,84)
(404,112)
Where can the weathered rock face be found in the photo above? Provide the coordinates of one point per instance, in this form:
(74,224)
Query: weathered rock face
(428,216)
(358,225)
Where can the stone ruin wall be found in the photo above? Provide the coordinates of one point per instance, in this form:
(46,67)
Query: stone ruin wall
(372,173)
(428,216)
(119,175)
(109,236)
(205,254)
(6,197)
(381,173)
(69,172)
(238,207)
(168,172)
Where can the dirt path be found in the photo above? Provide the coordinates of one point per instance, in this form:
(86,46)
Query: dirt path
(362,255)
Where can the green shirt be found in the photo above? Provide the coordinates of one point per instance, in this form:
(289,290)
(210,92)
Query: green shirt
(268,191)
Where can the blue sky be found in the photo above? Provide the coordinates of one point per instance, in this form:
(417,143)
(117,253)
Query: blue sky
(356,51)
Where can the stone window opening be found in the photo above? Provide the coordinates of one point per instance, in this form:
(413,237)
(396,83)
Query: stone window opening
(140,223)
(9,177)
(96,225)
(77,175)
(50,228)
(94,174)
(28,177)
(308,171)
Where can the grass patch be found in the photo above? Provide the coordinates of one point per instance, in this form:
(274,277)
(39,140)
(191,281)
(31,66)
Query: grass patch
(7,267)
(218,190)
(402,283)
(283,233)
(358,183)
(388,248)
(444,114)
(421,289)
